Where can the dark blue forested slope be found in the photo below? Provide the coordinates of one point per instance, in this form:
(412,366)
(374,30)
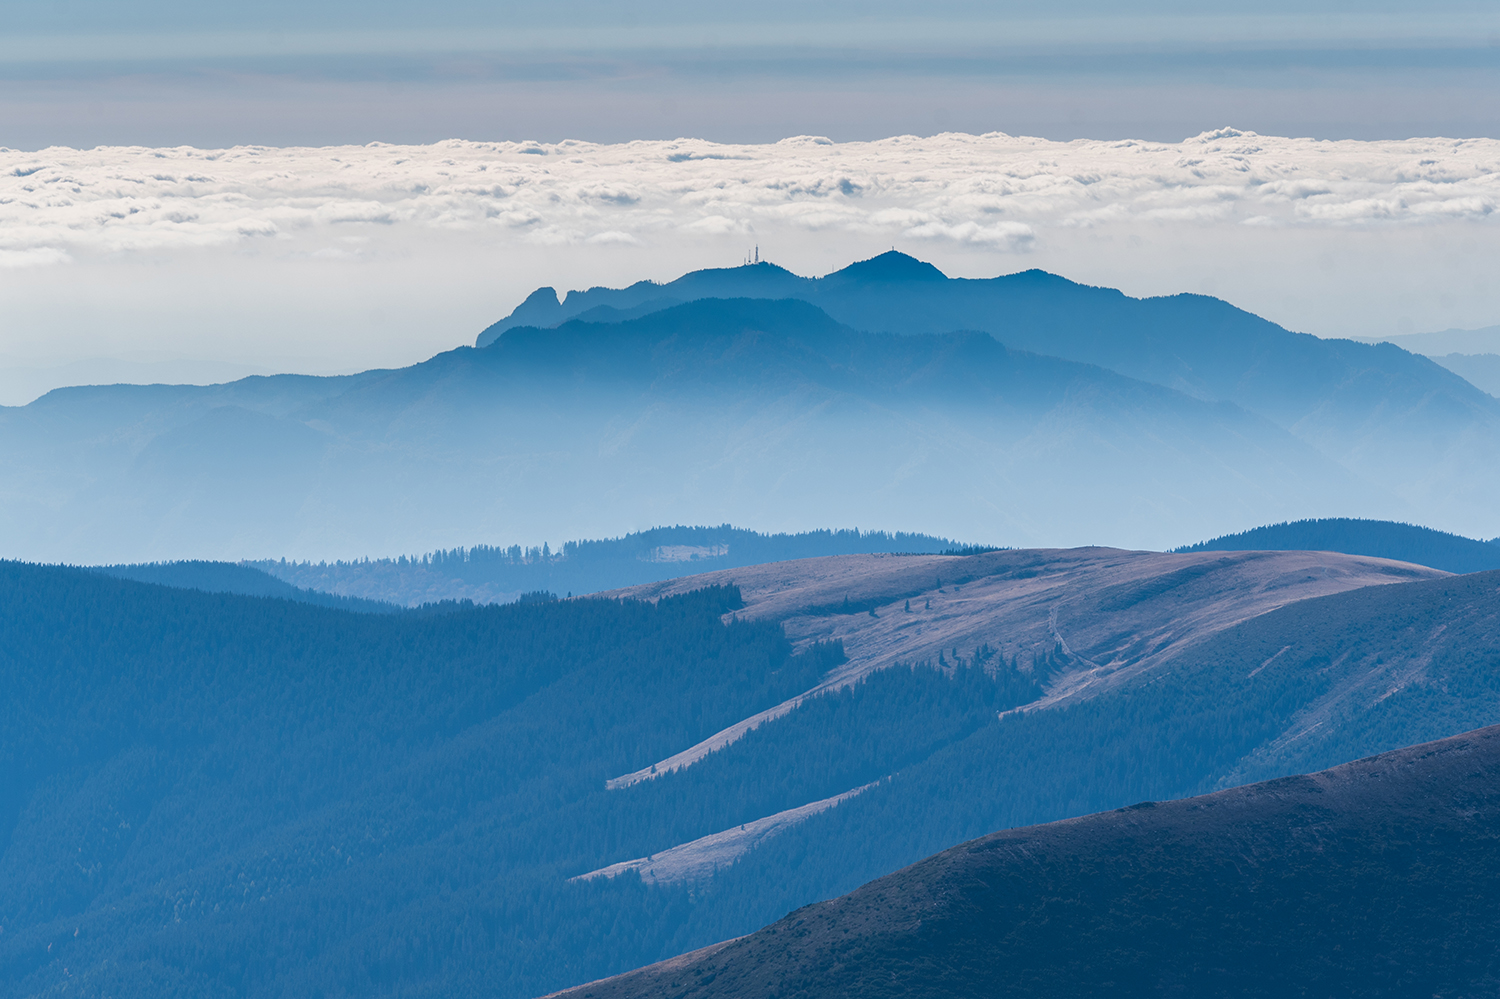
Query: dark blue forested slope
(210,794)
(1375,878)
(206,794)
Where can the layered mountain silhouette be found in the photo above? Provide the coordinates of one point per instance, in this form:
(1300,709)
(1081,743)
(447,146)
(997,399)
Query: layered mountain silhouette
(489,574)
(1198,344)
(216,782)
(207,793)
(1473,355)
(1377,877)
(227,577)
(1452,341)
(760,412)
(1480,370)
(1395,418)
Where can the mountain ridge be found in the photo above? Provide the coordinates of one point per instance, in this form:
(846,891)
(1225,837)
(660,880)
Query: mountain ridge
(1371,877)
(206,792)
(491,574)
(487,574)
(1100,618)
(1305,686)
(1374,407)
(1032,310)
(1380,539)
(752,411)
(244,580)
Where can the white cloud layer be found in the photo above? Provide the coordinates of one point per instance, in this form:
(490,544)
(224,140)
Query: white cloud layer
(993,189)
(1311,233)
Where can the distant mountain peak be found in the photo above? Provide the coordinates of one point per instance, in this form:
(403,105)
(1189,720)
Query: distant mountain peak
(766,265)
(546,296)
(538,309)
(889,267)
(1037,277)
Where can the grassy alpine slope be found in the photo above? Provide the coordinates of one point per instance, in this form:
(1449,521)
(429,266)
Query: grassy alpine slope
(1308,685)
(1378,877)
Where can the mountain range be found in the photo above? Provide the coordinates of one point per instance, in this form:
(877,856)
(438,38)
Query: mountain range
(1445,342)
(486,574)
(1381,412)
(1473,355)
(210,793)
(1480,370)
(1020,410)
(471,772)
(489,574)
(1370,878)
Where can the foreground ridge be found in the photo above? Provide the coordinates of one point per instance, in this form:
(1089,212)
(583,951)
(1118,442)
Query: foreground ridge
(1378,877)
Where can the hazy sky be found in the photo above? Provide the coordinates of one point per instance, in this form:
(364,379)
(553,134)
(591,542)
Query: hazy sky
(168,72)
(140,260)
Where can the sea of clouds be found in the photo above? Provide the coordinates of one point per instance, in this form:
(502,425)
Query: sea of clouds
(344,257)
(994,190)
